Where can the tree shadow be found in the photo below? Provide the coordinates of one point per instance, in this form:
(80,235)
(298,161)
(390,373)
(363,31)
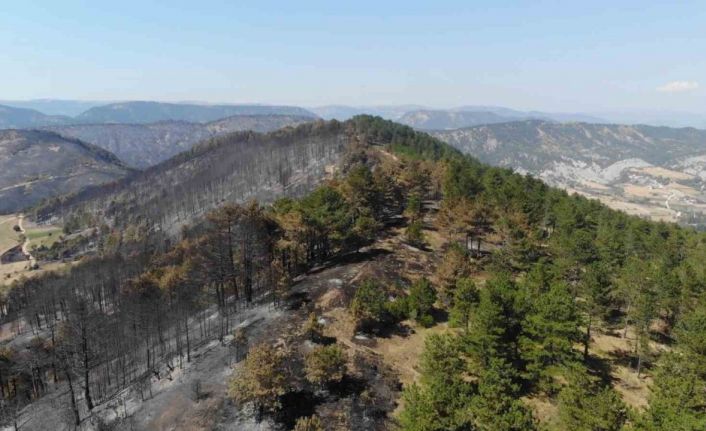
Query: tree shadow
(348,258)
(296,300)
(296,405)
(348,386)
(661,338)
(601,368)
(323,339)
(399,329)
(440,316)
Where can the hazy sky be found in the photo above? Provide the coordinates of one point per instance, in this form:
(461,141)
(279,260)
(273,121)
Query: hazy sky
(549,55)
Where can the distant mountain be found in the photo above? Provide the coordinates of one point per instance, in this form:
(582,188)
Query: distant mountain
(658,172)
(443,120)
(144,145)
(658,118)
(413,115)
(342,112)
(255,123)
(536,145)
(69,108)
(230,168)
(152,112)
(35,165)
(20,118)
(561,117)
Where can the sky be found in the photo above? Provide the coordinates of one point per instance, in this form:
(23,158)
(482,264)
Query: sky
(570,56)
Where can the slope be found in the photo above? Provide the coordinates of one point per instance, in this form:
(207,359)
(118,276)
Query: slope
(11,117)
(230,168)
(442,120)
(144,145)
(639,165)
(35,165)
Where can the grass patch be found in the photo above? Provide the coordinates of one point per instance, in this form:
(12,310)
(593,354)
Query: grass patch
(8,236)
(43,236)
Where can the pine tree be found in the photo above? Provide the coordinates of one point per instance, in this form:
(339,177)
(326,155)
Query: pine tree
(549,332)
(325,364)
(420,301)
(262,380)
(465,300)
(586,406)
(497,406)
(440,401)
(368,305)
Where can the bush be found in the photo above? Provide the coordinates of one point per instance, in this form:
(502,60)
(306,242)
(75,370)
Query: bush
(414,234)
(420,301)
(262,380)
(369,303)
(309,423)
(312,329)
(398,309)
(325,364)
(426,321)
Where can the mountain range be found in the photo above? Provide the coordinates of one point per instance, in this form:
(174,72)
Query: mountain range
(83,112)
(658,171)
(230,168)
(144,145)
(61,107)
(20,118)
(150,112)
(13,117)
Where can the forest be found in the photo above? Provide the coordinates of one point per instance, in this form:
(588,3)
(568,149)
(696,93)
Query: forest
(525,279)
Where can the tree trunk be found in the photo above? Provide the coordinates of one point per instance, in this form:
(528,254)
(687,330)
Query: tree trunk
(587,339)
(86,374)
(74,408)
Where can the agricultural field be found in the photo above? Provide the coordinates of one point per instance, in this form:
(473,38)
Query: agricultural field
(8,236)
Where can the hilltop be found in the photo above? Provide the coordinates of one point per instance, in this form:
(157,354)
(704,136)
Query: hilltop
(144,145)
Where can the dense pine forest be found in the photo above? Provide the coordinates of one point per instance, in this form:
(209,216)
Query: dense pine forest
(518,280)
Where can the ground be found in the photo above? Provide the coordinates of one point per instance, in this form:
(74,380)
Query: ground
(8,236)
(651,192)
(386,363)
(35,236)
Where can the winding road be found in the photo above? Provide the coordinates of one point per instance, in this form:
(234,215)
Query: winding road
(25,244)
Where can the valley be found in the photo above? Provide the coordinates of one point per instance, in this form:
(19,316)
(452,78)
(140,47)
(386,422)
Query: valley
(37,165)
(19,241)
(145,145)
(646,171)
(395,274)
(352,216)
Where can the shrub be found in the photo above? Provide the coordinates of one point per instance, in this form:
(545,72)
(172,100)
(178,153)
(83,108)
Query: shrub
(368,305)
(414,234)
(263,379)
(325,364)
(309,423)
(420,301)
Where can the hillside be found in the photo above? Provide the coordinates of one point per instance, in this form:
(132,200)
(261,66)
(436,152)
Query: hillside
(442,120)
(344,112)
(152,112)
(425,118)
(229,168)
(19,118)
(418,289)
(649,171)
(35,165)
(144,145)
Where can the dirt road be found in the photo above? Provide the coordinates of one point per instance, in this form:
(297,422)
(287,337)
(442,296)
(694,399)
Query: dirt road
(25,245)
